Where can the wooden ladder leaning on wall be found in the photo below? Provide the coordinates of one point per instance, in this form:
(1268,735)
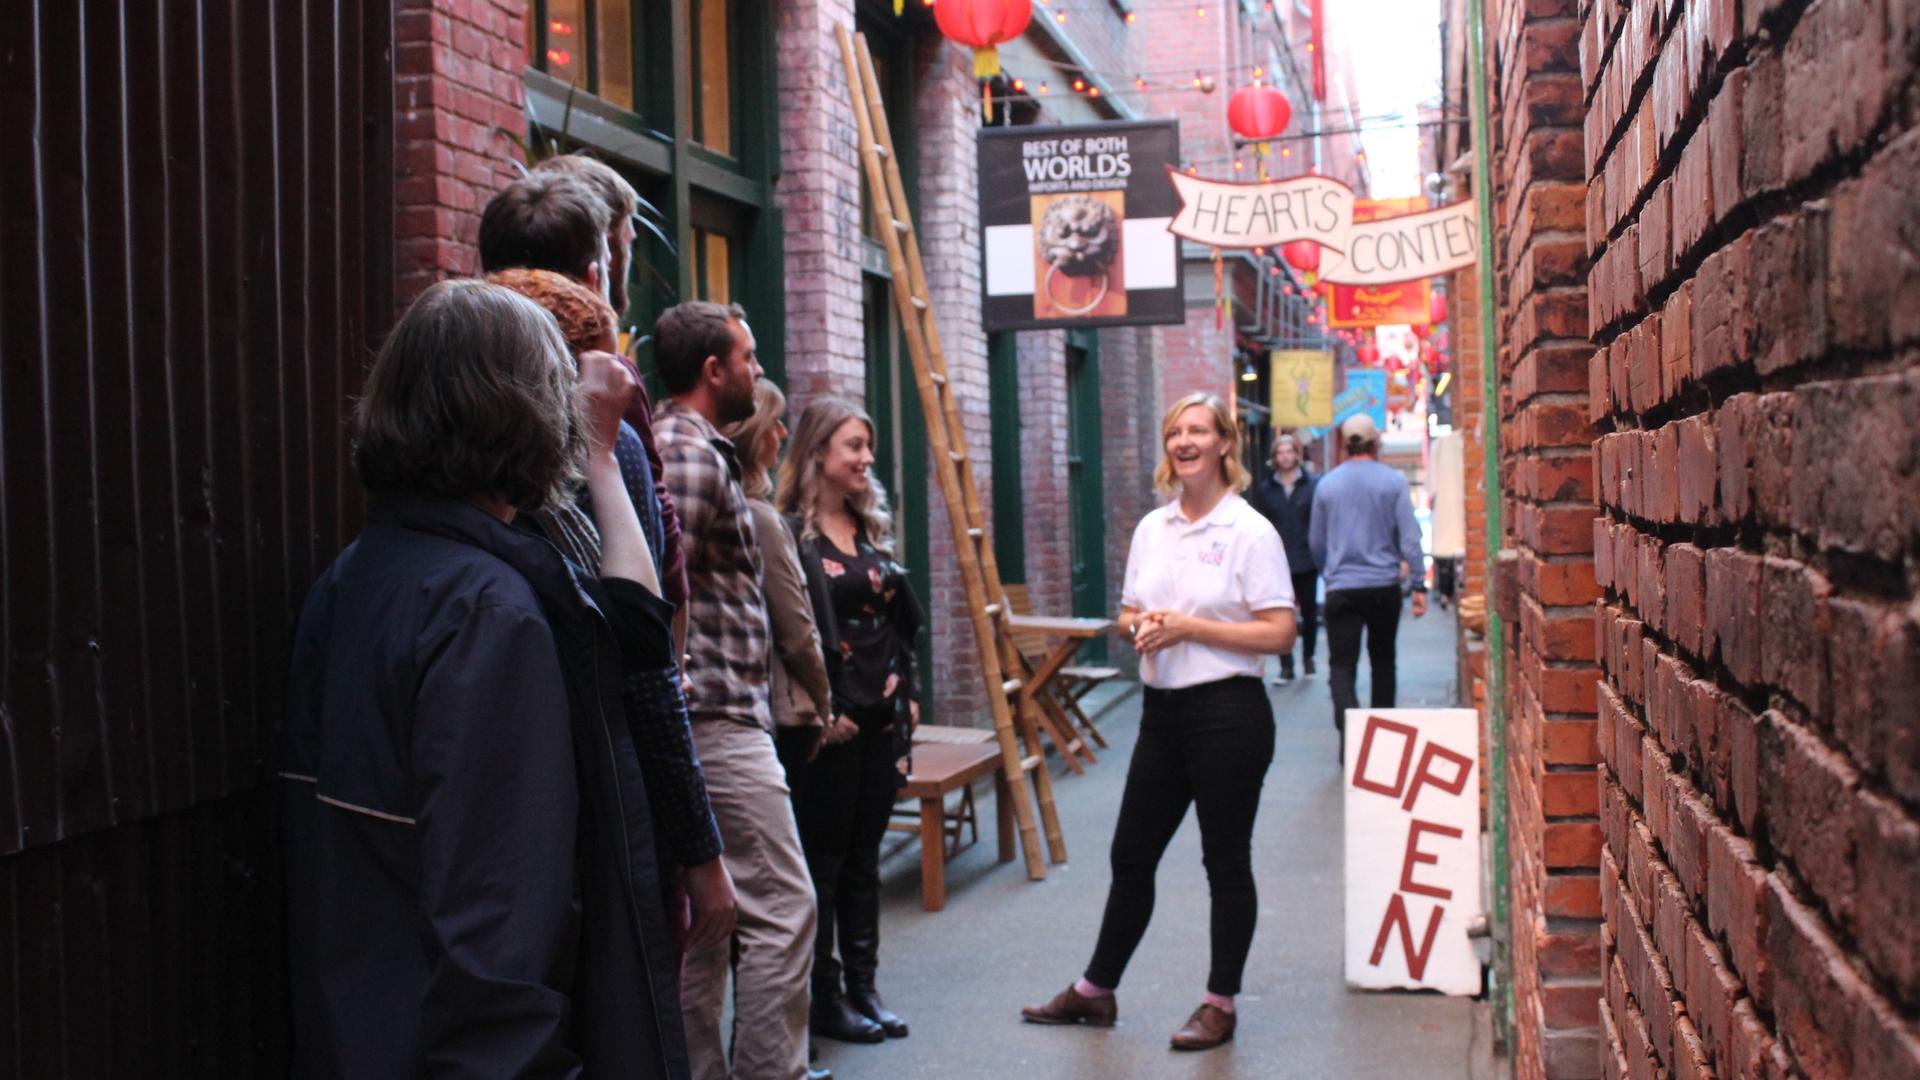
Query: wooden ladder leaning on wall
(1021,755)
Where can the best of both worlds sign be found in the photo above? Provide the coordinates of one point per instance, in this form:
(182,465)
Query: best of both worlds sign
(1229,214)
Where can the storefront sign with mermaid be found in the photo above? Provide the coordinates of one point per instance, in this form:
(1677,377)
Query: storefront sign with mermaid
(1302,382)
(1074,226)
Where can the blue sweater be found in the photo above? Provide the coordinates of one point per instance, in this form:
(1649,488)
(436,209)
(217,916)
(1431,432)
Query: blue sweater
(1363,526)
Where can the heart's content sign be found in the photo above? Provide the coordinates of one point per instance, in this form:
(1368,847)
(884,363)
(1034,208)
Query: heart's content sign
(1412,781)
(1226,214)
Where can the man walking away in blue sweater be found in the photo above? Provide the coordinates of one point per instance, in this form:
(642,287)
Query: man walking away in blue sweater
(1364,540)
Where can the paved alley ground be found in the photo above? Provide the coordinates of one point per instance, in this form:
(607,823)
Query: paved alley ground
(960,976)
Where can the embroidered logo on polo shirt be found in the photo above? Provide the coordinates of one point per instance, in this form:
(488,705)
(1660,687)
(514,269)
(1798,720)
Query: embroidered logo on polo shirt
(1216,554)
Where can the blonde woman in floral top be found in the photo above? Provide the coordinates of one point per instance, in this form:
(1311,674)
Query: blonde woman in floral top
(867,610)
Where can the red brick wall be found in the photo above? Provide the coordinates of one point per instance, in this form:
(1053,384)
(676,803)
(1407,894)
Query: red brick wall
(1546,437)
(1130,438)
(1046,511)
(457,79)
(1752,213)
(818,192)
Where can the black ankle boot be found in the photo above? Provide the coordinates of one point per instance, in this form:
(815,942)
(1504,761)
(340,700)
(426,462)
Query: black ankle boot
(870,1006)
(835,1018)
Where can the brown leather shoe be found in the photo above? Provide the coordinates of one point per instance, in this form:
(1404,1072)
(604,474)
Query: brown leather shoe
(1208,1027)
(1070,1007)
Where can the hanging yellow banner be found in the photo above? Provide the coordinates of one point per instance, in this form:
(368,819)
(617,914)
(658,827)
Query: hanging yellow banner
(1302,382)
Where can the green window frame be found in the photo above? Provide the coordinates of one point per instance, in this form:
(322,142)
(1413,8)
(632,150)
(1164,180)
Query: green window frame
(627,95)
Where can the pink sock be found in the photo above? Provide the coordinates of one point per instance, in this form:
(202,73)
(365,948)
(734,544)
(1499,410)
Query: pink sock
(1086,989)
(1220,1001)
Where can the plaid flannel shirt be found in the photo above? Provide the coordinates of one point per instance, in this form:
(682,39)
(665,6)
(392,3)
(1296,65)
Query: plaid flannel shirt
(727,633)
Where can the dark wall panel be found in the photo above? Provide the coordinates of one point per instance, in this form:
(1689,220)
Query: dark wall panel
(195,260)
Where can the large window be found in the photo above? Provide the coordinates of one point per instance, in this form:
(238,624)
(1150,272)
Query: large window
(585,44)
(712,71)
(660,91)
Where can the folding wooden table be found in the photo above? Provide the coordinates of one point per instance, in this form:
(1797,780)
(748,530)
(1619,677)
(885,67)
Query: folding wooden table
(1066,635)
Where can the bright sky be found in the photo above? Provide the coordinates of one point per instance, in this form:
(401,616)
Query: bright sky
(1396,71)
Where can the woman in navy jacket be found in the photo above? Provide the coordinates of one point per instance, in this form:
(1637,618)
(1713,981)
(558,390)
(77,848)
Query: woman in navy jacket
(472,882)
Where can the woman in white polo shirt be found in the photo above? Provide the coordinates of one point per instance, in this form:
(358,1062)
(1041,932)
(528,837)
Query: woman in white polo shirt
(1207,599)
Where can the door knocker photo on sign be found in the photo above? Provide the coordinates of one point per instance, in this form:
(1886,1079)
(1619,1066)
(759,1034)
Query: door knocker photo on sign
(1073,226)
(1077,242)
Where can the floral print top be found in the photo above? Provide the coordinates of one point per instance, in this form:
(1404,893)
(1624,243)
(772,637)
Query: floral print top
(867,590)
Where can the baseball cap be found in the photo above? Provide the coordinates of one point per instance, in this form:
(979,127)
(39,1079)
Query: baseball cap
(1358,431)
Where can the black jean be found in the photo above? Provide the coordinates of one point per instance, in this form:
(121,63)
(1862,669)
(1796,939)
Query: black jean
(844,805)
(1208,745)
(792,745)
(1306,612)
(1349,613)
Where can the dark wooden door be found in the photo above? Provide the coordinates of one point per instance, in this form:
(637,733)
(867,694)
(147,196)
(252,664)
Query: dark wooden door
(195,258)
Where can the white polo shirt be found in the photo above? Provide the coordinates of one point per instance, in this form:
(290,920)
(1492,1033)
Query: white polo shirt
(1226,566)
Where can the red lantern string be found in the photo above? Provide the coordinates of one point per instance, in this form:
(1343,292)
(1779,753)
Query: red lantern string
(983,25)
(1259,113)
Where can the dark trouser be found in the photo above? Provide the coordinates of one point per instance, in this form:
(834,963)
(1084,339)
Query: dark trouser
(792,745)
(1208,745)
(847,798)
(1306,612)
(1349,611)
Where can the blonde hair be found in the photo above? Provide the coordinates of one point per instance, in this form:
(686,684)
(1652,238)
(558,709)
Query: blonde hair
(1232,472)
(800,473)
(769,405)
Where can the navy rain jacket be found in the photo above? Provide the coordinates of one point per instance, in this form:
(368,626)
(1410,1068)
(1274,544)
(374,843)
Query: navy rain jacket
(472,885)
(1292,516)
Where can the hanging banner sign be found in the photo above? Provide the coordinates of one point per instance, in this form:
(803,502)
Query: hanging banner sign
(1365,306)
(1073,226)
(1412,782)
(1366,392)
(1407,247)
(1360,306)
(1302,382)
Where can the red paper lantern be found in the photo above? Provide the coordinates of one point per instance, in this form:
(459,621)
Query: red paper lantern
(983,25)
(1302,255)
(1421,330)
(1436,308)
(1367,353)
(1258,112)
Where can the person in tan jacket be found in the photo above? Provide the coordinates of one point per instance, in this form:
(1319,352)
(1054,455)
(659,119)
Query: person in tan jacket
(800,690)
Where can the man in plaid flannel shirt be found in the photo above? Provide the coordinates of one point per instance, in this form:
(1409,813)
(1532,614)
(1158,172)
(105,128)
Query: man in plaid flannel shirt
(705,355)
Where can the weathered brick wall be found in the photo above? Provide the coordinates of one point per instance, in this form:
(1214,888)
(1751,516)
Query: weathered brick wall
(1463,328)
(1046,512)
(457,83)
(1754,221)
(1546,438)
(1130,441)
(818,192)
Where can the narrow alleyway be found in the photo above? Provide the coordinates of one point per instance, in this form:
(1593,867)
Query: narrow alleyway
(961,975)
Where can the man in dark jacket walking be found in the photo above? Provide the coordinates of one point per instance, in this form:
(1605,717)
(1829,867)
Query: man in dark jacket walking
(1285,497)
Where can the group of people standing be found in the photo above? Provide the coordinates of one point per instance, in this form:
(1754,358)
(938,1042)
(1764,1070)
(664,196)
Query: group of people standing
(594,721)
(597,720)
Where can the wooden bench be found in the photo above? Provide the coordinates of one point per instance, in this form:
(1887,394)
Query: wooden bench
(1071,682)
(948,759)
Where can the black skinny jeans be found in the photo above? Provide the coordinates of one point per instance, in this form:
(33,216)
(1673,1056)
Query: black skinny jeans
(1349,612)
(845,802)
(1306,611)
(1208,745)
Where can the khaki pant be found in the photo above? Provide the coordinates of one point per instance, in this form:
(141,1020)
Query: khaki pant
(775,932)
